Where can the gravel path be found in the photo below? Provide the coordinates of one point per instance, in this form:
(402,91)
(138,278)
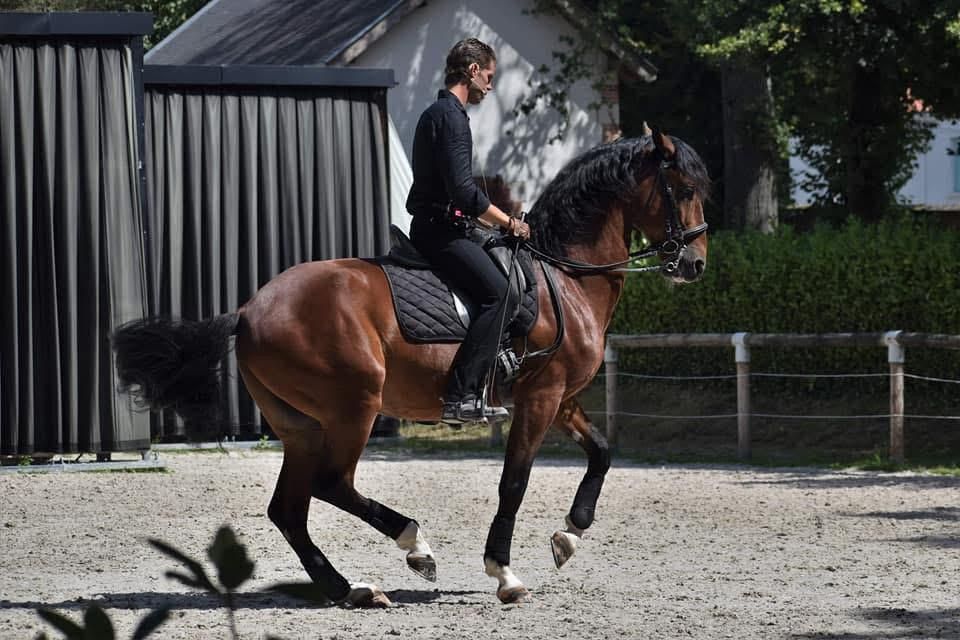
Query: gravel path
(677,551)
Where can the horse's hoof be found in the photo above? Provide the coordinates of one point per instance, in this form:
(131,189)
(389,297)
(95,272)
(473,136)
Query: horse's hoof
(423,566)
(516,595)
(367,596)
(563,545)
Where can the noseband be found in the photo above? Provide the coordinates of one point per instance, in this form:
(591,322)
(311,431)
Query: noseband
(671,249)
(677,237)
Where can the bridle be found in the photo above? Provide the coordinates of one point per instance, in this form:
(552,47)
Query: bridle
(671,249)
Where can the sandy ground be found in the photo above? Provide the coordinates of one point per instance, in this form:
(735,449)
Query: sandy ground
(676,552)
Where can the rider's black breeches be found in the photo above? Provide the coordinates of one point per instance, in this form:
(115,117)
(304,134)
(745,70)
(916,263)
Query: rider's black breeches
(468,268)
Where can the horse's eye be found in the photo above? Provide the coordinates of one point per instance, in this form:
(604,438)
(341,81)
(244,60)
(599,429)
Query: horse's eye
(686,192)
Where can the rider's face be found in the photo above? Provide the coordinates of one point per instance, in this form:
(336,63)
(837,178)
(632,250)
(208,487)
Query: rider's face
(481,82)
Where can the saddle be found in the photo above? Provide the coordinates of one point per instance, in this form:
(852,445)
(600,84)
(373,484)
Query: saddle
(430,310)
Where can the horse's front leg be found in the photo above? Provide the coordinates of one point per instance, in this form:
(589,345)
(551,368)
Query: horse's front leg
(573,421)
(531,420)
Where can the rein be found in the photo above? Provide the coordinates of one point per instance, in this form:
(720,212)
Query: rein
(676,249)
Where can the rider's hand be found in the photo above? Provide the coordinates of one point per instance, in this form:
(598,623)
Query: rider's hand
(519,229)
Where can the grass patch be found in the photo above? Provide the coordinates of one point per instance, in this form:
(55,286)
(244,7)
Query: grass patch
(128,470)
(195,450)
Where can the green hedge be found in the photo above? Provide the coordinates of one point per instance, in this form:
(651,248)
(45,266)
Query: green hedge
(900,274)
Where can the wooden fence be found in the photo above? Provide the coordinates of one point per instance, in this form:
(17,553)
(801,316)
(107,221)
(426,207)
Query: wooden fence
(894,341)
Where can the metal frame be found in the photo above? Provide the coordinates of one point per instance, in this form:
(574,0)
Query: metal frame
(266,75)
(87,23)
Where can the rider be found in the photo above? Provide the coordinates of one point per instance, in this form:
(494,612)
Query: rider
(444,200)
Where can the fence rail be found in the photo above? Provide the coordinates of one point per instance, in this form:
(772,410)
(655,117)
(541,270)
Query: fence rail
(894,341)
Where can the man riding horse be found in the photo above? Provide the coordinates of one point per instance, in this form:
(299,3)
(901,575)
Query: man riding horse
(445,201)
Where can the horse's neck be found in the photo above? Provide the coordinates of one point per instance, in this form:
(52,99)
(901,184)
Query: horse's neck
(603,291)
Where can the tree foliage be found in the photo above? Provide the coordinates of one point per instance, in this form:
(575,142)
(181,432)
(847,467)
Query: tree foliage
(852,80)
(857,84)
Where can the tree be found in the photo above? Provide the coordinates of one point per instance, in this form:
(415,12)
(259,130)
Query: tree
(855,83)
(848,77)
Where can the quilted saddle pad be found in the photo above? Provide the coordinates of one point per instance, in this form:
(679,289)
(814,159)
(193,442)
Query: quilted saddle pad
(425,306)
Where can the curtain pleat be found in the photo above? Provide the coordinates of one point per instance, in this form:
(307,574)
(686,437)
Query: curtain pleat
(72,244)
(250,182)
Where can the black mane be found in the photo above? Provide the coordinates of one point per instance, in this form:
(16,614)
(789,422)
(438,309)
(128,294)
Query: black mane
(572,207)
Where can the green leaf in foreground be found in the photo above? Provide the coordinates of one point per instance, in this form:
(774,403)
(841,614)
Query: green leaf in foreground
(230,557)
(64,625)
(199,578)
(150,623)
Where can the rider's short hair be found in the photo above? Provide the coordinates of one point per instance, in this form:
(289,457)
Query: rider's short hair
(462,55)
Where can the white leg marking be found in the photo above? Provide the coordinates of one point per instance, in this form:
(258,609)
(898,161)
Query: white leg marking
(419,555)
(572,528)
(363,594)
(564,543)
(412,541)
(503,574)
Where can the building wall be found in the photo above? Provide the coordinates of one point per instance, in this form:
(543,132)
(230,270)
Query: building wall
(516,147)
(934,184)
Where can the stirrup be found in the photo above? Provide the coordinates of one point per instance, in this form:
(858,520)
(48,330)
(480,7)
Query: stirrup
(468,411)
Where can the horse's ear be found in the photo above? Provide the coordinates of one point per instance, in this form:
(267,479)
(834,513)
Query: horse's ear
(663,143)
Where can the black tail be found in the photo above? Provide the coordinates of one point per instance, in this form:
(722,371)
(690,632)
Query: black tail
(175,364)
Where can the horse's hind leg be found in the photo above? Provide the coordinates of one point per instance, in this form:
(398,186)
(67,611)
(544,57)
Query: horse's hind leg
(288,511)
(403,530)
(573,421)
(305,450)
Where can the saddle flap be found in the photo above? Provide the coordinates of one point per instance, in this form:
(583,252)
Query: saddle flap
(403,252)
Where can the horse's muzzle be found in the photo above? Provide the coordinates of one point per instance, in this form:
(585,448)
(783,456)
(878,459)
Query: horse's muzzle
(687,267)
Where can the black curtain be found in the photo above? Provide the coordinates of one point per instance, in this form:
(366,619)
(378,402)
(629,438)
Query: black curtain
(245,182)
(71,243)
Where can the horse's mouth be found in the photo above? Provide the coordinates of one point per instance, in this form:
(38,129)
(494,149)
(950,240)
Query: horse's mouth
(689,267)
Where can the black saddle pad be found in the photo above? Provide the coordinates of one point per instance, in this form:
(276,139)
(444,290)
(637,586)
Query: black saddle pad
(425,308)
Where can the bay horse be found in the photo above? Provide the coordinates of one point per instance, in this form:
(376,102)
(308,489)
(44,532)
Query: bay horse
(320,351)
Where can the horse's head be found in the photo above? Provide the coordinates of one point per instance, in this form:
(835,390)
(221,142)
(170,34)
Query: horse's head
(670,214)
(655,185)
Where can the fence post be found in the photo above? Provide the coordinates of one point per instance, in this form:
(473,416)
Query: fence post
(742,357)
(895,356)
(610,372)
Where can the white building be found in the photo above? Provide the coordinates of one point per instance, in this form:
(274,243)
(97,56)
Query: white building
(935,183)
(412,37)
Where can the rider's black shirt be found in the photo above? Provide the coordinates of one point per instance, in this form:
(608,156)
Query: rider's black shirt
(443,162)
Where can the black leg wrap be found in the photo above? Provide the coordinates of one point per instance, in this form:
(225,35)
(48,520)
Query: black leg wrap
(499,539)
(585,502)
(385,520)
(321,572)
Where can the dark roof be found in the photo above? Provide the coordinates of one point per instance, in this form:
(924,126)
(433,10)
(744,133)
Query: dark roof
(323,32)
(278,32)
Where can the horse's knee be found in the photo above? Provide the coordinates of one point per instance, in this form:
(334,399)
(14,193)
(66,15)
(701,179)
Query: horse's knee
(599,461)
(585,503)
